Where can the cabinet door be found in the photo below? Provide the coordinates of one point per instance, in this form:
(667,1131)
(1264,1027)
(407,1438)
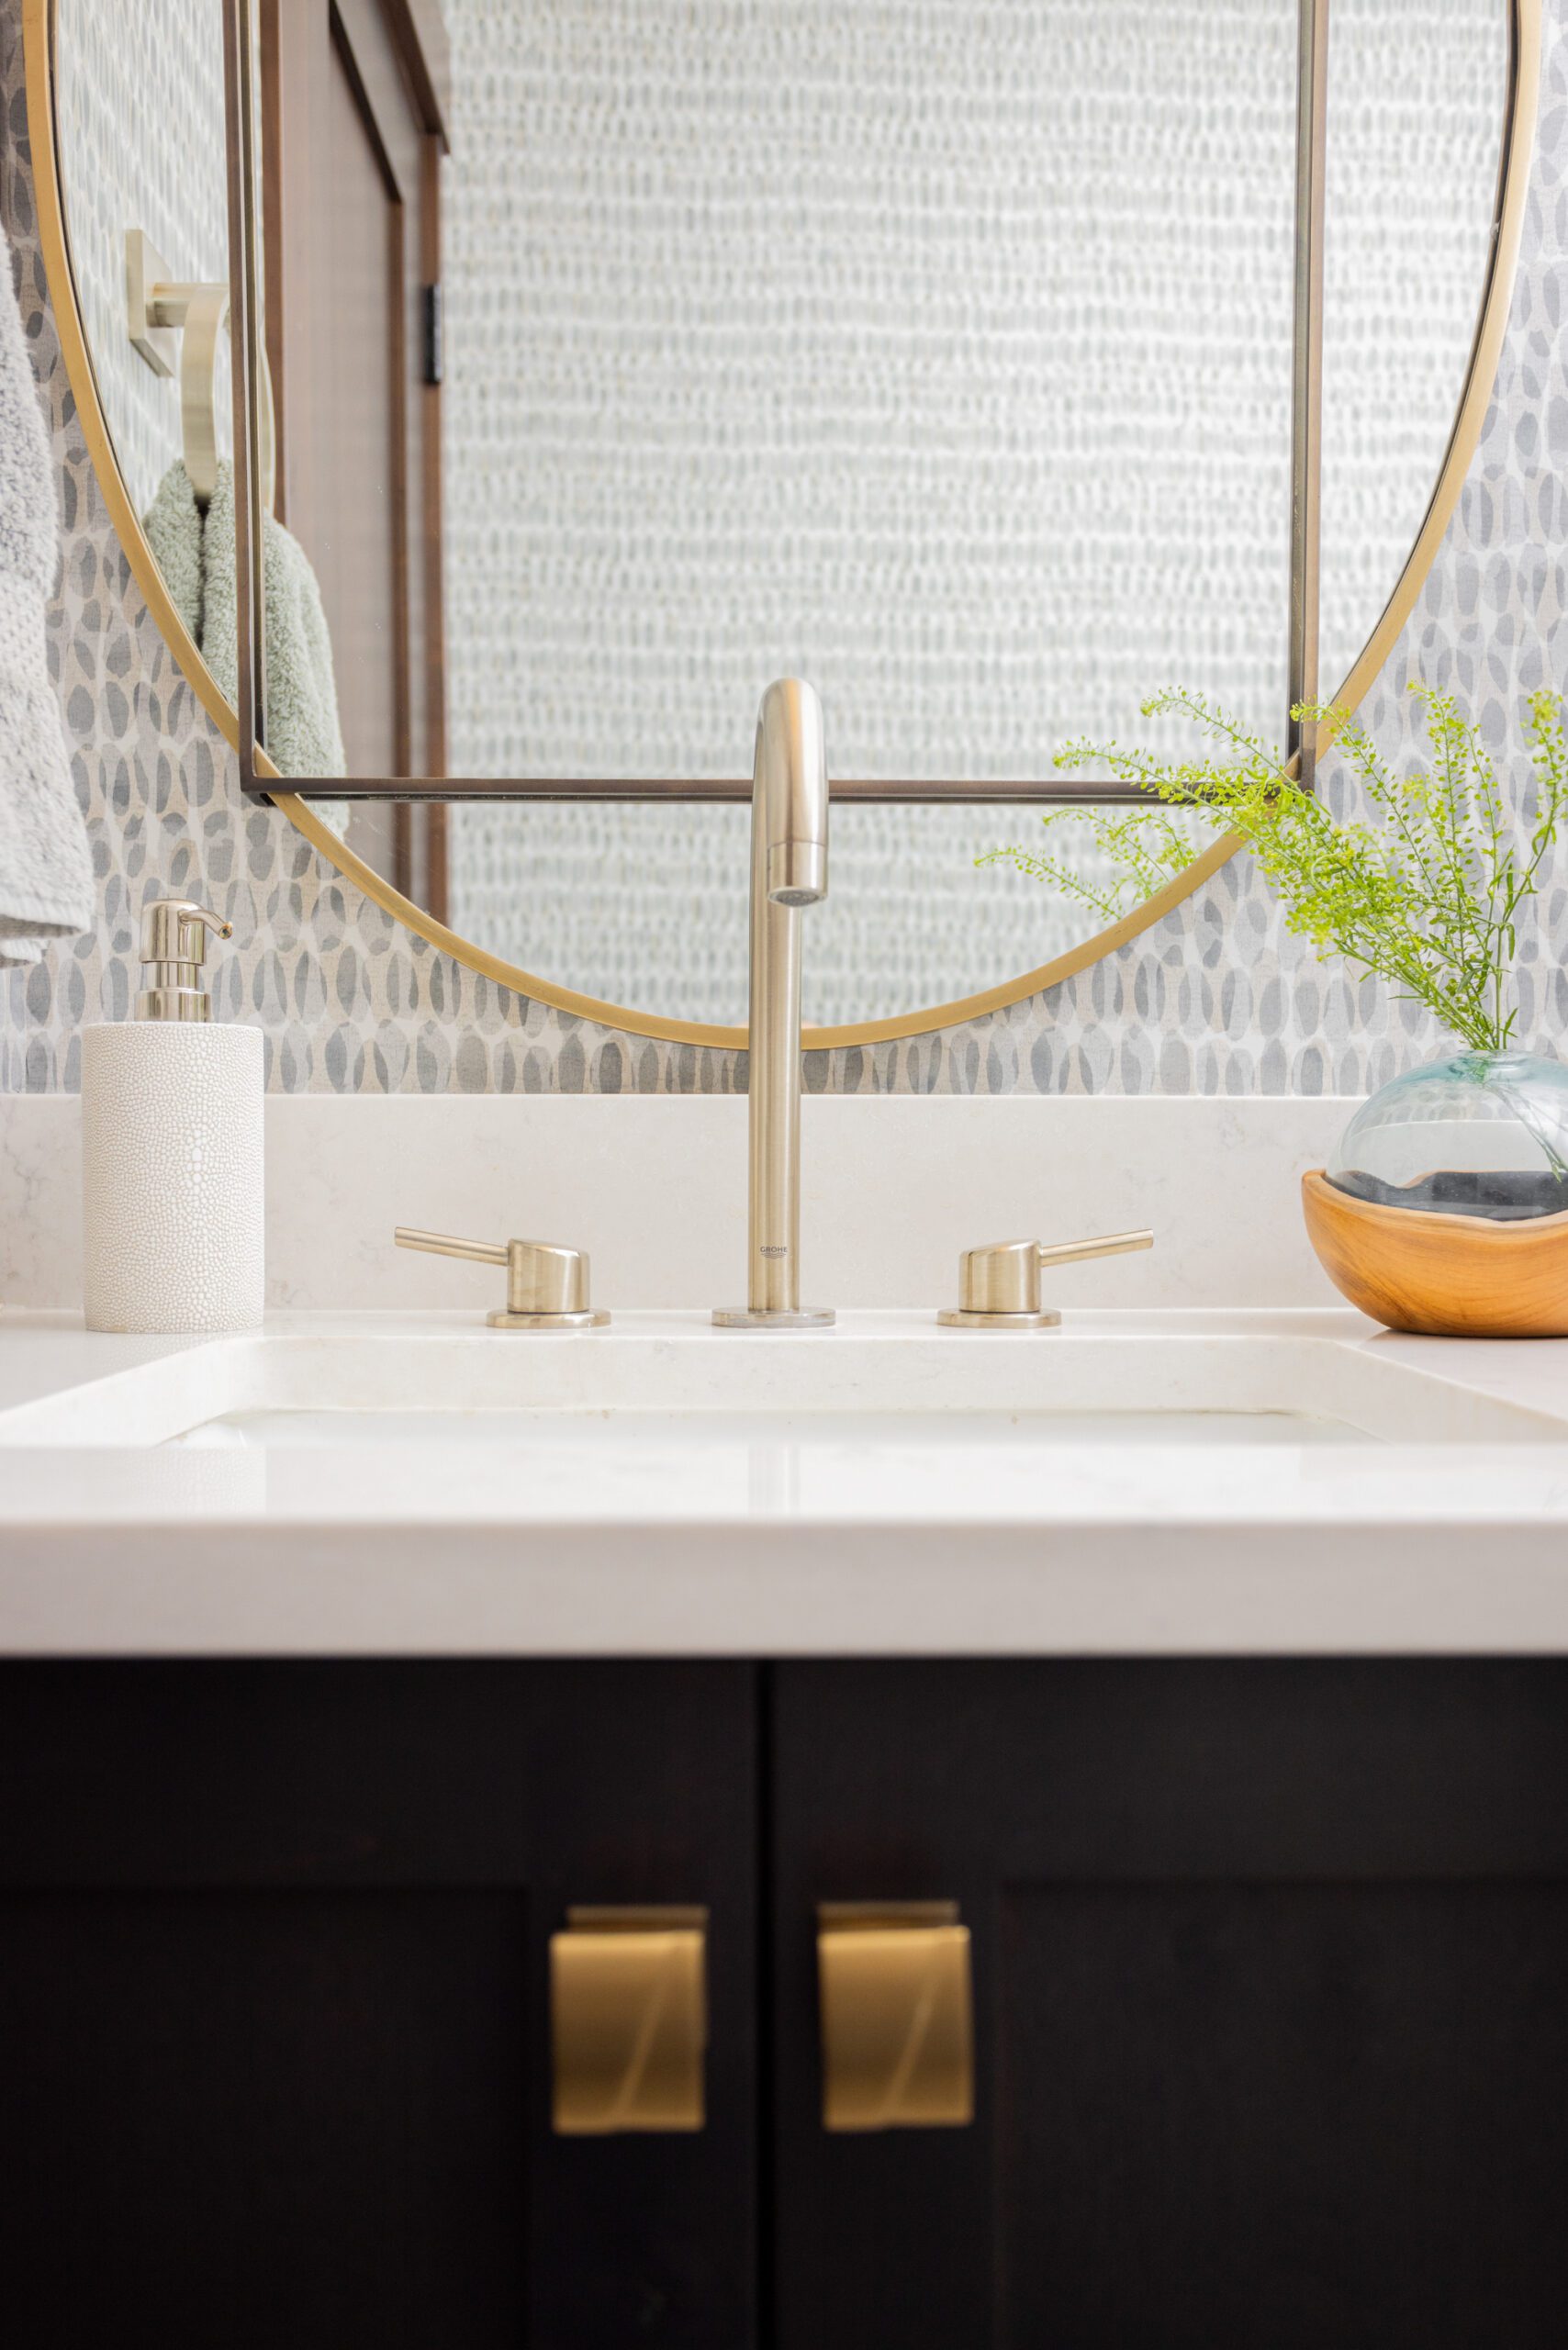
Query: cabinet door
(274,2034)
(1270,1977)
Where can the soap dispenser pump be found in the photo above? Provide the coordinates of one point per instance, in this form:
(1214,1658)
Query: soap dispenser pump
(172,1147)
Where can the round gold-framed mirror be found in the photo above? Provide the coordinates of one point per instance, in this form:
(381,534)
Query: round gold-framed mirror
(1516,27)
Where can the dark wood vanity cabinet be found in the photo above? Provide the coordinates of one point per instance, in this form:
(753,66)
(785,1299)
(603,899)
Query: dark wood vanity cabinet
(1270,1998)
(275,2072)
(1271,1967)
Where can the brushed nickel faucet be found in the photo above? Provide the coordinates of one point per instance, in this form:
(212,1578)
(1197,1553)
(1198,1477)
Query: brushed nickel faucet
(789,871)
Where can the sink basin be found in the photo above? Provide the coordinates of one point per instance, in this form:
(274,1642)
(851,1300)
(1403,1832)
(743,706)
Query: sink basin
(889,1389)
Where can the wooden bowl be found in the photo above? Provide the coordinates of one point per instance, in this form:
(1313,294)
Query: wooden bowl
(1453,1276)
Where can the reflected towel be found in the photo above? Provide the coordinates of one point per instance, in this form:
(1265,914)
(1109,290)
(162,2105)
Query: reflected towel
(46,867)
(195,553)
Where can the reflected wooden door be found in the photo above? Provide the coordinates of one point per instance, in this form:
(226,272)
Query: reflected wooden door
(353,129)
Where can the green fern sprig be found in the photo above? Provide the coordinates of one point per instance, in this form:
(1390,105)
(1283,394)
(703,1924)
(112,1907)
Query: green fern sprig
(1422,887)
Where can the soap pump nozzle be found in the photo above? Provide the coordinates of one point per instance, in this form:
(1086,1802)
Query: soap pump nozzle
(173,950)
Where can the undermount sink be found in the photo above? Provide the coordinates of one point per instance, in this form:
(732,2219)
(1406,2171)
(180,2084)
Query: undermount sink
(882,1395)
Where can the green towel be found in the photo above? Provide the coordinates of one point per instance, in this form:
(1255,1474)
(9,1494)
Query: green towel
(195,553)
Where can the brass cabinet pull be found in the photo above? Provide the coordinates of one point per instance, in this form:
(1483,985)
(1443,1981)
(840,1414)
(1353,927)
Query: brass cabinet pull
(897,2016)
(629,2020)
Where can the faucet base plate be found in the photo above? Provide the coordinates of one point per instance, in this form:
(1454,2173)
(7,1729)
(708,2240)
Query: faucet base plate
(503,1320)
(762,1317)
(960,1317)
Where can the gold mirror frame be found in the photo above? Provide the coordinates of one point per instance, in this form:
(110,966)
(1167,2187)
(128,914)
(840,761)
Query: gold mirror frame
(1513,181)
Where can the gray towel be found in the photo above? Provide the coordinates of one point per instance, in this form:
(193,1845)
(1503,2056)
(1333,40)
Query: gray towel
(195,553)
(46,867)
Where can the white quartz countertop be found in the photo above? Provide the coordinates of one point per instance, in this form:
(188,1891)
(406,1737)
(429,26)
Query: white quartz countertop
(1175,1481)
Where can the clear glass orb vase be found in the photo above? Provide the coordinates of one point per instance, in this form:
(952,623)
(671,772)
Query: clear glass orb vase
(1481,1135)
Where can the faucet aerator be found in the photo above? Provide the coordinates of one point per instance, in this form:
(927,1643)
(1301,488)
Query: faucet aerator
(796,868)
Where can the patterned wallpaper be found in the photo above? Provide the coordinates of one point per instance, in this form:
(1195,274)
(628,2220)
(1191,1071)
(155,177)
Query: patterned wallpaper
(763,357)
(1213,999)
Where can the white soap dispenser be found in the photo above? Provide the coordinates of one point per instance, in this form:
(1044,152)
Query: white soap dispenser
(172,1147)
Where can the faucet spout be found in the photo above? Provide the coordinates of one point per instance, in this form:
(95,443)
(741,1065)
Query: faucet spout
(789,872)
(790,793)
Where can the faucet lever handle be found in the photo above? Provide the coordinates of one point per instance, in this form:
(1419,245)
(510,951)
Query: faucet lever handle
(547,1286)
(999,1285)
(1109,1244)
(445,1244)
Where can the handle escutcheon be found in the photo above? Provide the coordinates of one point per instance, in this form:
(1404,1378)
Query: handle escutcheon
(629,2020)
(897,2016)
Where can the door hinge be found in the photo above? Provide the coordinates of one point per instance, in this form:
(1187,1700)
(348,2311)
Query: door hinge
(434,328)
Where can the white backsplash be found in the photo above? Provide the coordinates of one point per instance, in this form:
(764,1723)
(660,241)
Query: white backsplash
(654,1188)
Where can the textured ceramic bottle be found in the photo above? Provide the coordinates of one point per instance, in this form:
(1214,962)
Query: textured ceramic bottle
(172,1148)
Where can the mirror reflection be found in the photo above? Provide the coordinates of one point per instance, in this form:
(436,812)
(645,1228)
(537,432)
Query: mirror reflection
(1412,162)
(124,78)
(628,353)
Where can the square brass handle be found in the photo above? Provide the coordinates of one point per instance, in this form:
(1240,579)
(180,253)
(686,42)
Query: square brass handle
(897,2017)
(629,2020)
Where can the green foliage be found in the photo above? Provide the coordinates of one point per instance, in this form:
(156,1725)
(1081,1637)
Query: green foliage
(1421,888)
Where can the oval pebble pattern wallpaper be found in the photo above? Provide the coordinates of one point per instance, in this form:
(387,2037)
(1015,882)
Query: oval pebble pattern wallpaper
(1213,999)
